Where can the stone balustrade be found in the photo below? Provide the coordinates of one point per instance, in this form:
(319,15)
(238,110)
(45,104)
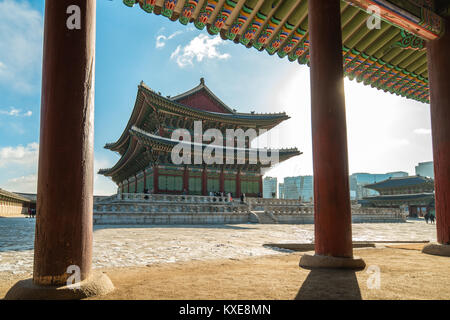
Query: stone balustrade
(143,197)
(273,202)
(169,208)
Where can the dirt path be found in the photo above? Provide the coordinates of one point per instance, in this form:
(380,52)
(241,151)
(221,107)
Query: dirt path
(405,273)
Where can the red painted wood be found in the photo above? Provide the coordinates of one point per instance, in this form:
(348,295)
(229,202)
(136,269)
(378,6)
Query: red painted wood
(261,186)
(145,179)
(238,183)
(439,77)
(203,101)
(65,174)
(332,214)
(155,179)
(204,182)
(222,181)
(135,184)
(186,180)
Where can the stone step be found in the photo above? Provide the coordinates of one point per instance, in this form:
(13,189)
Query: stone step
(264,217)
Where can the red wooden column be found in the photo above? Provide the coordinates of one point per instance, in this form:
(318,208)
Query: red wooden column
(261,185)
(128,185)
(135,183)
(238,183)
(204,182)
(186,179)
(65,174)
(145,179)
(439,77)
(155,179)
(332,210)
(222,181)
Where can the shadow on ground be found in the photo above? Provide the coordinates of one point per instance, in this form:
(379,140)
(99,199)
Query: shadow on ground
(330,284)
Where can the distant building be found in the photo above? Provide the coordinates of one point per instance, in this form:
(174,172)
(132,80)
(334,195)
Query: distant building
(425,169)
(300,187)
(415,193)
(13,204)
(359,180)
(269,187)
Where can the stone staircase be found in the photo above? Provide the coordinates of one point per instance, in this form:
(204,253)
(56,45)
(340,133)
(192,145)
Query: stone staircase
(264,217)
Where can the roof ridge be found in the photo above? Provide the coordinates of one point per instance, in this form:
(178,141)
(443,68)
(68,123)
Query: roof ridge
(198,88)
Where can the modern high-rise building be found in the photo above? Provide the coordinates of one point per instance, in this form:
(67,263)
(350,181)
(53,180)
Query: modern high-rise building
(269,187)
(425,169)
(300,187)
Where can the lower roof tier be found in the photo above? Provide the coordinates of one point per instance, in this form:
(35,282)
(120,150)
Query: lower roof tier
(425,199)
(146,149)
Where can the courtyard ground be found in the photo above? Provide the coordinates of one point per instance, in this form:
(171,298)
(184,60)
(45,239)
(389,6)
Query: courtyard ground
(233,262)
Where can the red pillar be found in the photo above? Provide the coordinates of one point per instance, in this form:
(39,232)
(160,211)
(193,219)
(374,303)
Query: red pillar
(145,179)
(439,77)
(222,181)
(238,183)
(332,214)
(135,184)
(204,182)
(128,185)
(261,186)
(65,175)
(155,179)
(186,179)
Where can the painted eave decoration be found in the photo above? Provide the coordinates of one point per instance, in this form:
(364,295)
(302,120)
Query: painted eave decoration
(391,58)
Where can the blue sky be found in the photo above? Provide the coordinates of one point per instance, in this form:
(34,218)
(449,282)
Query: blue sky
(386,132)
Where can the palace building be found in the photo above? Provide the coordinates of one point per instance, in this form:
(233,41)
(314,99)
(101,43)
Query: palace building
(146,146)
(414,192)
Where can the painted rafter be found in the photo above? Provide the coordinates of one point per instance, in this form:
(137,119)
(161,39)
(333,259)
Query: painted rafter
(389,60)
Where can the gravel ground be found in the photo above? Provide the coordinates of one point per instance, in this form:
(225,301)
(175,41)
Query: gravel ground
(123,246)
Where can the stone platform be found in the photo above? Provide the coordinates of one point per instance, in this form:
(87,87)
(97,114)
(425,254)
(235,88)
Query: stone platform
(135,208)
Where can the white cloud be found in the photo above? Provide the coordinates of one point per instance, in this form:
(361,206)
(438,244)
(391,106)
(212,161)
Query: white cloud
(422,131)
(26,184)
(16,112)
(21,33)
(199,48)
(162,39)
(20,155)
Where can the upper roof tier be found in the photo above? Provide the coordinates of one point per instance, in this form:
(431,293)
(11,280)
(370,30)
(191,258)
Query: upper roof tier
(153,111)
(391,58)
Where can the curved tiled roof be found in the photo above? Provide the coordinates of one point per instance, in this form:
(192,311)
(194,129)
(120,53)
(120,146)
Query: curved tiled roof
(143,135)
(142,140)
(402,196)
(232,115)
(399,182)
(148,98)
(14,196)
